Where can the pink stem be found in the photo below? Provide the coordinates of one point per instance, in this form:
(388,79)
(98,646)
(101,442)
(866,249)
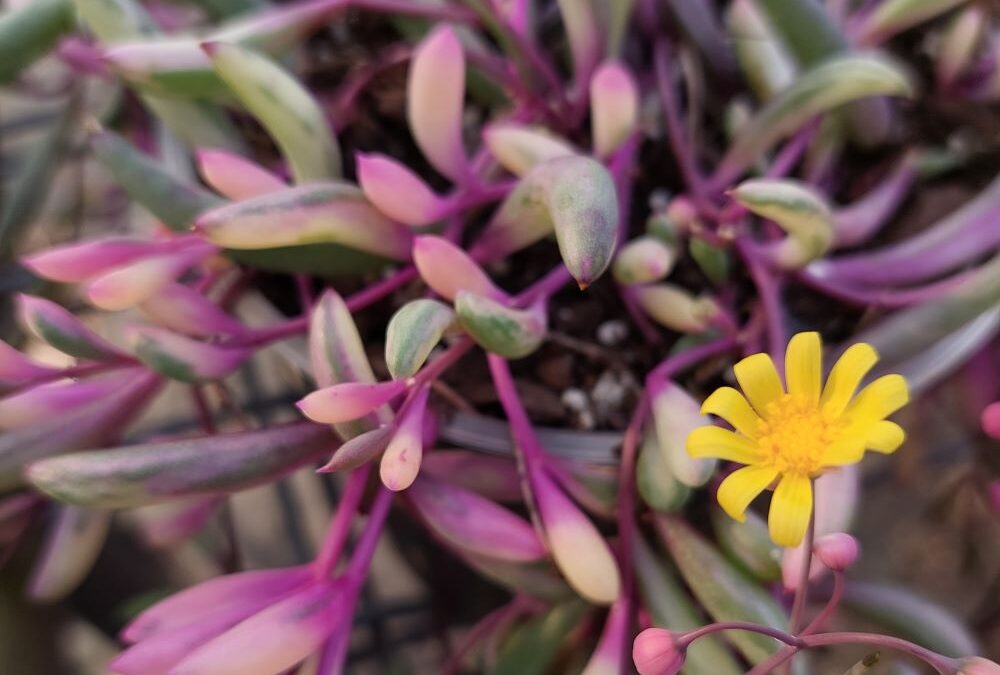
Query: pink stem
(340,525)
(683,152)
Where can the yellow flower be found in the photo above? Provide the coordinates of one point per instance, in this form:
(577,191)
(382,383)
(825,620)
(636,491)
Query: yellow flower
(795,436)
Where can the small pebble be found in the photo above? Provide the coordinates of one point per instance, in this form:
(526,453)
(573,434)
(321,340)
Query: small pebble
(612,333)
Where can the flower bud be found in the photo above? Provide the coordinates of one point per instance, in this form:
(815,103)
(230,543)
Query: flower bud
(655,652)
(990,420)
(234,176)
(447,269)
(130,284)
(643,261)
(837,551)
(579,550)
(511,333)
(836,498)
(519,148)
(435,94)
(401,460)
(676,308)
(614,105)
(976,665)
(184,359)
(349,400)
(398,192)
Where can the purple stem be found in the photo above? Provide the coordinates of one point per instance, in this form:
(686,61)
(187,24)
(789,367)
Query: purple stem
(360,300)
(802,590)
(860,221)
(769,290)
(676,363)
(340,524)
(942,664)
(683,152)
(626,505)
(769,665)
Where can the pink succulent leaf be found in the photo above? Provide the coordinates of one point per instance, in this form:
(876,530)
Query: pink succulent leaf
(234,176)
(349,401)
(60,328)
(398,192)
(448,269)
(401,459)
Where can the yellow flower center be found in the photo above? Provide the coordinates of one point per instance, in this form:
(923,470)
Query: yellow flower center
(795,435)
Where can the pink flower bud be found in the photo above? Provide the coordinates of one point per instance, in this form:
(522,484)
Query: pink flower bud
(349,401)
(398,192)
(78,262)
(127,286)
(235,177)
(614,104)
(448,269)
(991,420)
(655,653)
(401,460)
(435,101)
(836,497)
(976,665)
(474,524)
(837,551)
(183,309)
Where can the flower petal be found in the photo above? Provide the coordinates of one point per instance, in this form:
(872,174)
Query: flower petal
(885,437)
(759,381)
(848,450)
(733,407)
(741,487)
(879,399)
(846,375)
(804,366)
(791,508)
(722,443)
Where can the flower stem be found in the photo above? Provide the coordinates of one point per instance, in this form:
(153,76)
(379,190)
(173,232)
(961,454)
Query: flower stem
(802,592)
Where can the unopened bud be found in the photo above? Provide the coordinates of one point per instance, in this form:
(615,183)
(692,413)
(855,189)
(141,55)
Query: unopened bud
(838,551)
(655,652)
